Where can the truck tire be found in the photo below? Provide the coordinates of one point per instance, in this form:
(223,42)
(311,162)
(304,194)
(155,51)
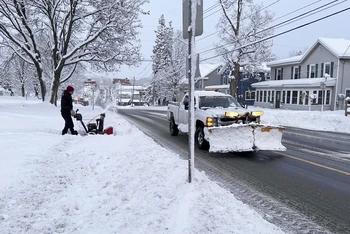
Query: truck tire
(174,131)
(200,140)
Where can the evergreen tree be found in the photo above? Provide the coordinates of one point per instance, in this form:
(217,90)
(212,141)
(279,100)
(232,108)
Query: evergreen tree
(162,57)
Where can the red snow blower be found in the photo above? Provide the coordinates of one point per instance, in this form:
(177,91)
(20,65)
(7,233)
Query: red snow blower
(94,128)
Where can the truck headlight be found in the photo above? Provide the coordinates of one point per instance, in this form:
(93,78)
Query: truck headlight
(231,114)
(257,113)
(212,122)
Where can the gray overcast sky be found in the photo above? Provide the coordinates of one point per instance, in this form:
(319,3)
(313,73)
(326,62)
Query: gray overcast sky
(335,27)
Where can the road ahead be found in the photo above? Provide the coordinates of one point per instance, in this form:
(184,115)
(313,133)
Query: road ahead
(305,189)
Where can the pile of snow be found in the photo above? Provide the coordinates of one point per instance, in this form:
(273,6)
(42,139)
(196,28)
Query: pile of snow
(333,121)
(122,183)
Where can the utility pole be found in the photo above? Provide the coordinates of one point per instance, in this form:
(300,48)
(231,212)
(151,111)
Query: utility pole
(193,29)
(191,83)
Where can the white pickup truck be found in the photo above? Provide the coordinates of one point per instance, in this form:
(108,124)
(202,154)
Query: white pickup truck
(222,125)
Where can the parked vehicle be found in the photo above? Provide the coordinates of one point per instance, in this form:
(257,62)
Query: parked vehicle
(222,125)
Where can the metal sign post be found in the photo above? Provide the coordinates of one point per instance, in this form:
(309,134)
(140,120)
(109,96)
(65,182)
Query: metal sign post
(323,86)
(193,29)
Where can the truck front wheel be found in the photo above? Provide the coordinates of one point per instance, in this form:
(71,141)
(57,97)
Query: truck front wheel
(200,140)
(174,131)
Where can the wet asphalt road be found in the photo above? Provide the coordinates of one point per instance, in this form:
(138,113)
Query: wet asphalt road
(305,189)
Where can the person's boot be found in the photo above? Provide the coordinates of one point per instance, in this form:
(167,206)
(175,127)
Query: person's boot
(73,132)
(64,132)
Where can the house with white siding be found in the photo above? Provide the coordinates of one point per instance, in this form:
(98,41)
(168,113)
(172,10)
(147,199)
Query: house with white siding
(316,80)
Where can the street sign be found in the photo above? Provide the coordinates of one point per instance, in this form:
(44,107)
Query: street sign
(185,18)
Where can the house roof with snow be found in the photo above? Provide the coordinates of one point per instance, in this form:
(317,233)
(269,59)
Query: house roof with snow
(314,82)
(206,68)
(339,47)
(285,61)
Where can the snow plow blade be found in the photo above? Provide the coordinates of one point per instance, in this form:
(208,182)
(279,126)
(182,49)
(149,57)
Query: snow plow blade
(243,137)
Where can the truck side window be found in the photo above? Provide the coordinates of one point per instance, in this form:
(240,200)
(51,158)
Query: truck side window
(186,102)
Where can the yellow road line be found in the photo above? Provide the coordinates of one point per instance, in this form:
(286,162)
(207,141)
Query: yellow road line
(323,138)
(315,164)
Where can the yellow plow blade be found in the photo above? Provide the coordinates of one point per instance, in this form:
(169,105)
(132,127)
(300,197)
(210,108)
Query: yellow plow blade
(268,138)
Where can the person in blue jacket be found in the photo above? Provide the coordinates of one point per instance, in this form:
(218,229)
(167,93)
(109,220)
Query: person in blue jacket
(67,111)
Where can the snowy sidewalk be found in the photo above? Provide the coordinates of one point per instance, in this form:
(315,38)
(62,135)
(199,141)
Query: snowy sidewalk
(125,183)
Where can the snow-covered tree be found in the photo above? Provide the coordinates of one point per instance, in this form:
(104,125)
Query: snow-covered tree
(17,74)
(100,32)
(162,57)
(298,52)
(242,23)
(177,67)
(18,24)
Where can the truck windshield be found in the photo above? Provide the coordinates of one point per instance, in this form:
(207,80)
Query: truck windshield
(217,101)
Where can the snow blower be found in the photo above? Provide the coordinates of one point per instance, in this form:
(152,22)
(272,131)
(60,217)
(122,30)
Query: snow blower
(94,128)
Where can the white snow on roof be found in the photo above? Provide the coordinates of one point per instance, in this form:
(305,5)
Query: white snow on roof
(285,61)
(207,68)
(295,83)
(217,86)
(209,93)
(338,46)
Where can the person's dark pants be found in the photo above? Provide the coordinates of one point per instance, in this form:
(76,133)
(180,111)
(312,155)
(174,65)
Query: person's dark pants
(68,124)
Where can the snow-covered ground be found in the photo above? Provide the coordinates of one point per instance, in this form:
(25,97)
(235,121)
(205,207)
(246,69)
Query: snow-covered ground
(122,183)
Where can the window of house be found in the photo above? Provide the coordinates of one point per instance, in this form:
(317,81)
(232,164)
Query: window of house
(249,95)
(307,98)
(272,96)
(314,101)
(288,97)
(268,95)
(283,99)
(312,70)
(328,96)
(303,97)
(327,69)
(294,97)
(261,95)
(265,95)
(295,73)
(320,97)
(279,74)
(347,93)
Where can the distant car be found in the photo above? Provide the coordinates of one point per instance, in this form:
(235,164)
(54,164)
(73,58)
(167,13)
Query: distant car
(81,101)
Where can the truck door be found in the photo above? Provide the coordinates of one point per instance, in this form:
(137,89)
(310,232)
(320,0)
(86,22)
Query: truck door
(183,112)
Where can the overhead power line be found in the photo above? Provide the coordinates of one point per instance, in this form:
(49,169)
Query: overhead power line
(242,19)
(301,8)
(286,22)
(204,12)
(278,34)
(211,8)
